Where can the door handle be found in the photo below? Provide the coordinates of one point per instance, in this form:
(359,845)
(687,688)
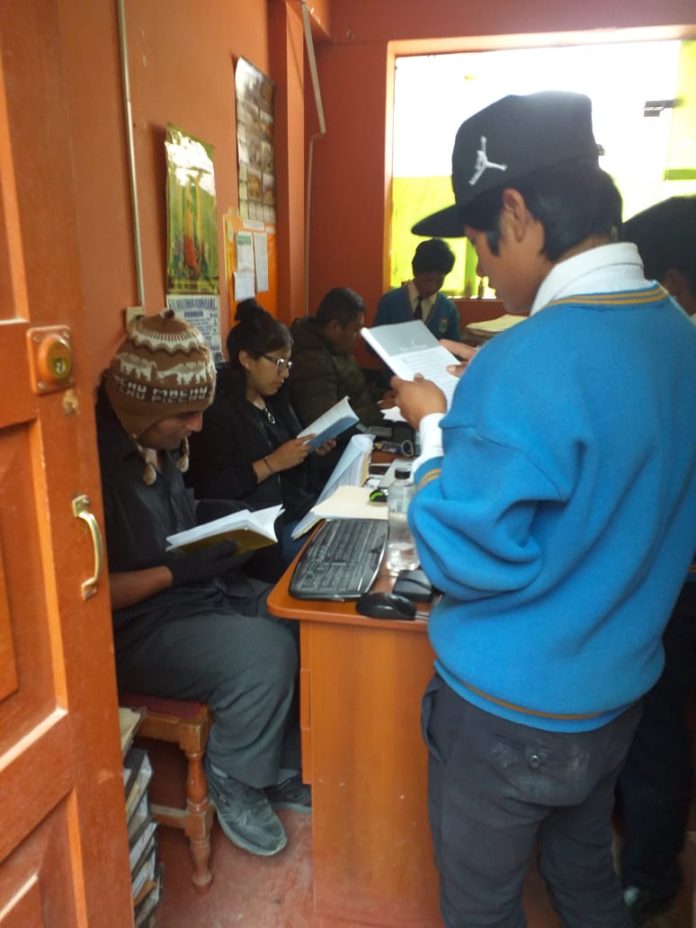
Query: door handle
(81,510)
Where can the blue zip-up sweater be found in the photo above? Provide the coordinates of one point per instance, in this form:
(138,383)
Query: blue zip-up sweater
(561,521)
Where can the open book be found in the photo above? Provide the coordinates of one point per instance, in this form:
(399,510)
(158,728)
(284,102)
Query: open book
(410,348)
(351,470)
(250,530)
(331,423)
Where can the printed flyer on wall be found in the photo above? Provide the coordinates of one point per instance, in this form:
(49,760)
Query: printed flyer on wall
(203,312)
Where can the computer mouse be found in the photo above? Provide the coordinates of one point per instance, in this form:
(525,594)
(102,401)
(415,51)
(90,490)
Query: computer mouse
(414,585)
(386,606)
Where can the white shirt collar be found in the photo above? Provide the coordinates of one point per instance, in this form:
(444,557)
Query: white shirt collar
(427,302)
(605,269)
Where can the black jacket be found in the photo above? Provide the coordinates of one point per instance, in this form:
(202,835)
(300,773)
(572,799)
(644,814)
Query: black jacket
(138,519)
(235,434)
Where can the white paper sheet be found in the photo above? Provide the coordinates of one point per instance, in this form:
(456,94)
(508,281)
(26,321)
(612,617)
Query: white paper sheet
(244,285)
(350,470)
(348,502)
(261,260)
(410,348)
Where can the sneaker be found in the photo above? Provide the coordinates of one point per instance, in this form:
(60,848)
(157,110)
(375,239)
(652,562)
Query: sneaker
(245,815)
(643,905)
(290,794)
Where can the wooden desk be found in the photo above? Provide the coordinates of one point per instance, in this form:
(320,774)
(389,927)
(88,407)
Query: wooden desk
(361,682)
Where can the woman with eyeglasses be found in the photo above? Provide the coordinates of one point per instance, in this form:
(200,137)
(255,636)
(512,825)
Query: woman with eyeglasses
(248,448)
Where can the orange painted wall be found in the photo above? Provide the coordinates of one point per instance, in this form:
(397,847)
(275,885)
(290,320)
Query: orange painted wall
(287,56)
(181,56)
(350,172)
(95,124)
(181,66)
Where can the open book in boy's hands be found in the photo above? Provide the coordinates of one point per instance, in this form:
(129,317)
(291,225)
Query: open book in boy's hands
(410,348)
(331,423)
(251,530)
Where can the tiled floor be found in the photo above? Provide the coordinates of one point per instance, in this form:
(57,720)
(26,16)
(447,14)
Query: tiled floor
(252,892)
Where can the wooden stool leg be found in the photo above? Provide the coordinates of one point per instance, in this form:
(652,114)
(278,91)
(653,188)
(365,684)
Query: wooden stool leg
(199,821)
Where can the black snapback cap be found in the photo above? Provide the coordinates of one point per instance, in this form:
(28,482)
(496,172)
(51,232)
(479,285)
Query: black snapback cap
(507,140)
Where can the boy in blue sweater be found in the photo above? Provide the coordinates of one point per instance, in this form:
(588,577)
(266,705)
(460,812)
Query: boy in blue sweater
(421,298)
(556,510)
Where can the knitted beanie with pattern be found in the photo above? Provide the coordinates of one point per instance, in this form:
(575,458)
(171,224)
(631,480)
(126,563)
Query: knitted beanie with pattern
(162,368)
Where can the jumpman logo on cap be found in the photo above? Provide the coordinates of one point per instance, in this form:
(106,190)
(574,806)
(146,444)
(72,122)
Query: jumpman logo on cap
(482,163)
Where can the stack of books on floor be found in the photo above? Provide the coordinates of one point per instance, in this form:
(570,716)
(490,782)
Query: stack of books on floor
(146,872)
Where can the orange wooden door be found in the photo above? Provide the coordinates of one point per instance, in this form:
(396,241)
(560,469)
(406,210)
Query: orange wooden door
(63,848)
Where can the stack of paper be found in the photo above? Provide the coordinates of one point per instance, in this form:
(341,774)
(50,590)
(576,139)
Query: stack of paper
(348,502)
(351,471)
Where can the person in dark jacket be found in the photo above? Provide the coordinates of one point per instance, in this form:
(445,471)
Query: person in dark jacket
(324,367)
(656,783)
(248,449)
(191,624)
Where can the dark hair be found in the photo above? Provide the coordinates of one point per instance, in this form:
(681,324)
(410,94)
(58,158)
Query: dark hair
(571,201)
(666,238)
(341,304)
(256,332)
(433,255)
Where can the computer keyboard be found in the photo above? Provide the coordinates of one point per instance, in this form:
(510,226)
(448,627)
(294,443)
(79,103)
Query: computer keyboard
(341,561)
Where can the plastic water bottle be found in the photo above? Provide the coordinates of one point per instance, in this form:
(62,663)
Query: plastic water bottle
(401,548)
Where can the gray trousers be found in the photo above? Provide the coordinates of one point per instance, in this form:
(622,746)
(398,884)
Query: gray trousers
(244,666)
(497,789)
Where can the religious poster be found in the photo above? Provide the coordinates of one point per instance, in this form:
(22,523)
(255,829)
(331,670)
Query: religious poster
(255,153)
(192,237)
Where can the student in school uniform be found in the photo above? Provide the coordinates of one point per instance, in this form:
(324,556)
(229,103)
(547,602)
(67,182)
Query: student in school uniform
(656,783)
(556,510)
(193,625)
(421,297)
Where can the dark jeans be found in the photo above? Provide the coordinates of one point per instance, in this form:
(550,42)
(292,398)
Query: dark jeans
(655,785)
(496,788)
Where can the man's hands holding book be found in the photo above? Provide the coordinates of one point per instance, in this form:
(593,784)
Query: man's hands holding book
(202,563)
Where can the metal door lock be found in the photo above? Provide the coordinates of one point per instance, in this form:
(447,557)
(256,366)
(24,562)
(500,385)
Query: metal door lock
(50,358)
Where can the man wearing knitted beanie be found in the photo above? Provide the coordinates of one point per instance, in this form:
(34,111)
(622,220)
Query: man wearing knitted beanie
(192,626)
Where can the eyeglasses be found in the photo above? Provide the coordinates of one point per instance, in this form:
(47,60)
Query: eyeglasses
(282,364)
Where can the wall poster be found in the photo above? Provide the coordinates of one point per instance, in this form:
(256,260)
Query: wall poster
(255,152)
(203,311)
(192,237)
(250,262)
